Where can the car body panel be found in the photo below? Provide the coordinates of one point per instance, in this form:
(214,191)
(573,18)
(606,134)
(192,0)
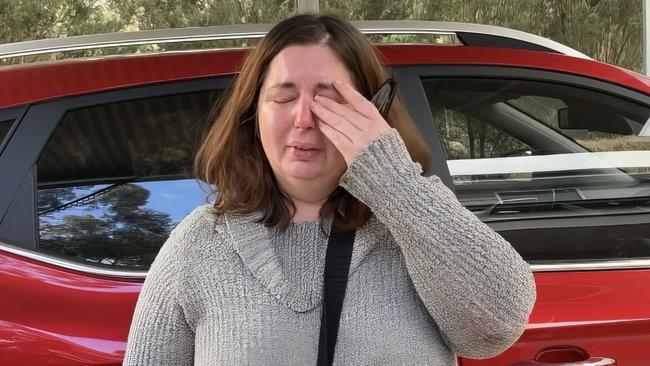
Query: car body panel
(455,55)
(606,313)
(51,315)
(98,75)
(95,75)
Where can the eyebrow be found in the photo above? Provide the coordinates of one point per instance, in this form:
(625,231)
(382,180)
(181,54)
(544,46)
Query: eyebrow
(289,84)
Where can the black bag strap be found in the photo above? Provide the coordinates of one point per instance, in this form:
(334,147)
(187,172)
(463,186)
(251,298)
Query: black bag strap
(337,266)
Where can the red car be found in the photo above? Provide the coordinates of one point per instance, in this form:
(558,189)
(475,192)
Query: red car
(547,146)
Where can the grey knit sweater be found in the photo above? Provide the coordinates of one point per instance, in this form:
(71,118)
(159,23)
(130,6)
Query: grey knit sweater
(428,281)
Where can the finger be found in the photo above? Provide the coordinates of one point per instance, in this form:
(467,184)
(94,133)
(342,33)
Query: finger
(334,135)
(355,118)
(358,101)
(339,140)
(335,121)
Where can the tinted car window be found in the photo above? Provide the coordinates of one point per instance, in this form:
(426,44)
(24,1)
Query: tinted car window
(115,179)
(526,151)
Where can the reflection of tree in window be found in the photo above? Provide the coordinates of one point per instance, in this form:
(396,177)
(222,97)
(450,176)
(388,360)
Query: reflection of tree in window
(465,137)
(114,228)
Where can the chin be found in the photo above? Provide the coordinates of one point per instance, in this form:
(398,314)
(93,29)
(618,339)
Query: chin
(306,175)
(306,172)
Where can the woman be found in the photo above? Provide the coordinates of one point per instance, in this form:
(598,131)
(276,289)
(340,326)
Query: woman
(298,141)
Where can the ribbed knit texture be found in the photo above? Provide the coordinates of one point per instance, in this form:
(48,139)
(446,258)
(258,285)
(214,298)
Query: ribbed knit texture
(428,281)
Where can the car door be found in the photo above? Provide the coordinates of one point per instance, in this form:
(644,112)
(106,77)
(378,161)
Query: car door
(91,187)
(559,165)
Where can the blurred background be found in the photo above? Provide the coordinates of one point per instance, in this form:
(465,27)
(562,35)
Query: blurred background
(607,30)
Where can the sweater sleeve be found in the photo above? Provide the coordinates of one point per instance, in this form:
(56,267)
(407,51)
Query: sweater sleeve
(476,287)
(160,334)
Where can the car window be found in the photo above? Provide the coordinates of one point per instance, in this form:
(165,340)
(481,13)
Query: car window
(115,179)
(528,151)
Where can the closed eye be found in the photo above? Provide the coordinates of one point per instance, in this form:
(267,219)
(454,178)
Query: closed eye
(333,96)
(283,100)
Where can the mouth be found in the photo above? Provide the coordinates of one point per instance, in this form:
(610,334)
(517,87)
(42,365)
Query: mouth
(303,152)
(303,147)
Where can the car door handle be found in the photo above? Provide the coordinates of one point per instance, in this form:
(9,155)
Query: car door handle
(592,361)
(565,355)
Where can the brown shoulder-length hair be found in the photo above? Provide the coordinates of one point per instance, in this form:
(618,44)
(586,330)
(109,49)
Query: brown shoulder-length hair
(231,157)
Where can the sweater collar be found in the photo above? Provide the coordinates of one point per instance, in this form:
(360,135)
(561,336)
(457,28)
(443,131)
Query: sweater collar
(290,264)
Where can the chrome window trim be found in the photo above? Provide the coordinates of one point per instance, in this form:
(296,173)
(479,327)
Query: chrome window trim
(593,266)
(141,275)
(252,31)
(436,27)
(63,263)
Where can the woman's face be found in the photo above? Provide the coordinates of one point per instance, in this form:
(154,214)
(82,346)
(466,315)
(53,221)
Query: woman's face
(294,145)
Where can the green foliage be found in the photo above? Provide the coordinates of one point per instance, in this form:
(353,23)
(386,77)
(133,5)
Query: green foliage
(608,30)
(36,19)
(156,14)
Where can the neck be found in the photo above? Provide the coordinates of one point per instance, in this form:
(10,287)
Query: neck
(308,198)
(306,211)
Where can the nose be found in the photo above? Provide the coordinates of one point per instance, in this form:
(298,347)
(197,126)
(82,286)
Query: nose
(305,118)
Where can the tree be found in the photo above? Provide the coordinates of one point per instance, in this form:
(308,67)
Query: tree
(608,30)
(37,19)
(116,228)
(157,14)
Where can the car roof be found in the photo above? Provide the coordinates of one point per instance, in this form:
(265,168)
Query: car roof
(455,32)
